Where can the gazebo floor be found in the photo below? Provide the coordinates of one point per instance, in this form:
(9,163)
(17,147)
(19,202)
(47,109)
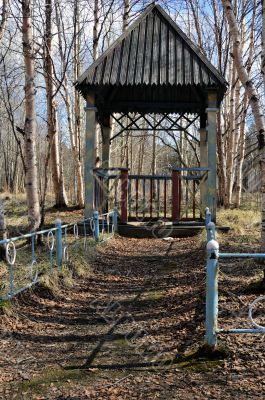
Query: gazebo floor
(159,229)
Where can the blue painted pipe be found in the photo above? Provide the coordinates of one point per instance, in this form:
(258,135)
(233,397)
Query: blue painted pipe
(241,255)
(211,293)
(115,219)
(59,242)
(96,225)
(242,330)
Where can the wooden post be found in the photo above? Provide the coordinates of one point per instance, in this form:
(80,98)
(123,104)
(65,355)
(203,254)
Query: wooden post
(90,154)
(106,128)
(124,195)
(175,196)
(212,132)
(203,159)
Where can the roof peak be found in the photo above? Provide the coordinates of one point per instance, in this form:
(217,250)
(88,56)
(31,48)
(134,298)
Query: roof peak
(152,51)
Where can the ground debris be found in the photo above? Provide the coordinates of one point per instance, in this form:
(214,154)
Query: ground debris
(121,332)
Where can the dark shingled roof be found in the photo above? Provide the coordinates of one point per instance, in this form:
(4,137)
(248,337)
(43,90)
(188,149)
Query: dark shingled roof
(152,65)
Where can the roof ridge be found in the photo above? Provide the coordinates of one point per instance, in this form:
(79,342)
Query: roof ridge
(176,30)
(130,28)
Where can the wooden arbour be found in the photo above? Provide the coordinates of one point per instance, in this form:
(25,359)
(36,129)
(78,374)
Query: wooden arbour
(153,68)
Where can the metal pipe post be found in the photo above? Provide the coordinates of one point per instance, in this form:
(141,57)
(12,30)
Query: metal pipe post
(211,232)
(211,293)
(115,219)
(59,242)
(207,216)
(96,225)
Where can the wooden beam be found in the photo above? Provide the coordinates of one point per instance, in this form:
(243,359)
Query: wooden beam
(90,154)
(203,158)
(212,160)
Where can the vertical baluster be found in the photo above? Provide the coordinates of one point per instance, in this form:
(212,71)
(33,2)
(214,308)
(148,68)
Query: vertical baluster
(144,198)
(165,198)
(180,193)
(158,198)
(187,199)
(175,196)
(151,197)
(124,195)
(137,195)
(193,200)
(130,196)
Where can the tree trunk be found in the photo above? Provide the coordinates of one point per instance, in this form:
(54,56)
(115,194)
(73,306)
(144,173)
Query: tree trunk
(73,133)
(241,152)
(77,125)
(2,215)
(3,19)
(231,139)
(253,99)
(59,190)
(242,135)
(95,29)
(125,18)
(263,43)
(31,179)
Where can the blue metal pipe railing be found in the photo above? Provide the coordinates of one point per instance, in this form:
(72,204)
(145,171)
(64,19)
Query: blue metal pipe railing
(212,269)
(56,240)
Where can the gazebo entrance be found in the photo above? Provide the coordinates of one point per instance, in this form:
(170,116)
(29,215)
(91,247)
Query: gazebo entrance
(152,78)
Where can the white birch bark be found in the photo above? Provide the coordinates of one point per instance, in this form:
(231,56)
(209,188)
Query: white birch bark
(2,215)
(95,29)
(126,11)
(263,42)
(3,19)
(73,133)
(53,136)
(245,105)
(253,99)
(31,178)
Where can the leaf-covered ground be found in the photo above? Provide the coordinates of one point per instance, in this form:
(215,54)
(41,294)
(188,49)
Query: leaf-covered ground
(128,328)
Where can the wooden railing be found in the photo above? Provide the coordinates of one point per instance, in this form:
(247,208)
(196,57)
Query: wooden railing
(141,197)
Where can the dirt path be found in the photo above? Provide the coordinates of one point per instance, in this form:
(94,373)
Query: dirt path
(121,333)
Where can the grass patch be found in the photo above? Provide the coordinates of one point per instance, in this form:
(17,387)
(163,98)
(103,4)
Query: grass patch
(50,377)
(240,221)
(154,295)
(6,307)
(204,358)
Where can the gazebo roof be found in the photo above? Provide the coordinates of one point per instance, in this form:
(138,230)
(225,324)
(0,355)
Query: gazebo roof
(152,67)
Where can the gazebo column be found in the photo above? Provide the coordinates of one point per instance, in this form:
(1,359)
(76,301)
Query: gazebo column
(106,127)
(203,158)
(90,154)
(212,133)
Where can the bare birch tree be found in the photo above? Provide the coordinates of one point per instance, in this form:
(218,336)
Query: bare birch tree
(53,136)
(253,99)
(2,211)
(3,19)
(31,178)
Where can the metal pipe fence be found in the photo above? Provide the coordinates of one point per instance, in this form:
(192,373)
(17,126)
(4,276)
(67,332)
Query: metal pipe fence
(29,256)
(212,271)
